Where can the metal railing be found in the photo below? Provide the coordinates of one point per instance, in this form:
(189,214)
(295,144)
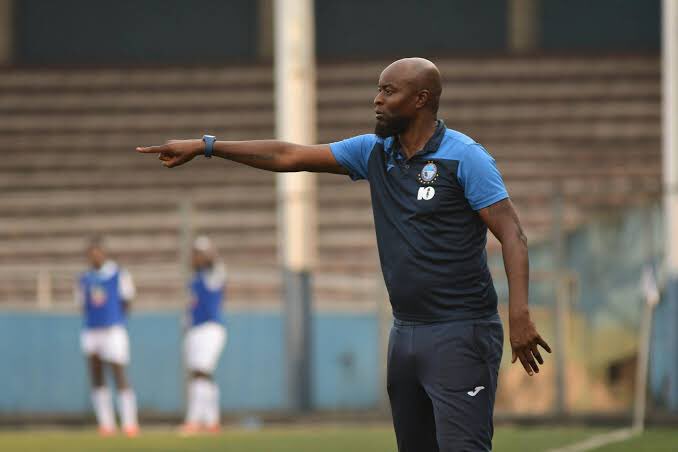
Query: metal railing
(46,287)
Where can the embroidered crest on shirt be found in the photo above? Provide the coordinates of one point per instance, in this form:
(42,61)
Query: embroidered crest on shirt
(428,174)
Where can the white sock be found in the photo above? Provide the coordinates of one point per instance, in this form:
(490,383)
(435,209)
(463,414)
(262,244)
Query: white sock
(103,407)
(212,406)
(203,396)
(127,404)
(193,412)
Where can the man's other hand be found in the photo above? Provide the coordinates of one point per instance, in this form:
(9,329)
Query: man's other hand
(524,341)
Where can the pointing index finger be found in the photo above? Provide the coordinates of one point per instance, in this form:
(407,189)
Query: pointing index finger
(152,149)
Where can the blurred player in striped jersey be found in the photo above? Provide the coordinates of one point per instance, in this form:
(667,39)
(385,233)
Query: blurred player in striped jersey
(105,292)
(205,338)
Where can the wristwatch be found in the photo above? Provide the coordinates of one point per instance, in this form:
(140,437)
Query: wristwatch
(209,145)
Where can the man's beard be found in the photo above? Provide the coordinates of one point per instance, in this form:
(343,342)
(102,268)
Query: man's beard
(392,126)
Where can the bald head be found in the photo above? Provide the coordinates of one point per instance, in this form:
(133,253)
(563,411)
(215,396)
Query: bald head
(408,93)
(421,74)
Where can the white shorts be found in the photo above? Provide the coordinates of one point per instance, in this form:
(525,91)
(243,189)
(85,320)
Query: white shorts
(110,344)
(203,346)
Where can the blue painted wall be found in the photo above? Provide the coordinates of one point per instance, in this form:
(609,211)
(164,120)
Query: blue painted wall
(358,28)
(84,32)
(43,370)
(346,361)
(602,25)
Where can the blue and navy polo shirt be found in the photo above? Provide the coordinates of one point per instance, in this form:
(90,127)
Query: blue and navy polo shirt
(430,237)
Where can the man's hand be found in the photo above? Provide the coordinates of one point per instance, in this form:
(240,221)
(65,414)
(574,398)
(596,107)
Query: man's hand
(175,152)
(524,341)
(502,219)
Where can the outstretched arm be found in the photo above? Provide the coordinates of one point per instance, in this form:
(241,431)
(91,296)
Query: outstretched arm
(270,155)
(502,219)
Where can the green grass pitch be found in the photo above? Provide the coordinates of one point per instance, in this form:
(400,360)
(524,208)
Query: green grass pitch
(309,439)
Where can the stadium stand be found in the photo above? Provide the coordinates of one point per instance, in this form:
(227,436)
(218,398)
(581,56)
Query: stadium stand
(587,126)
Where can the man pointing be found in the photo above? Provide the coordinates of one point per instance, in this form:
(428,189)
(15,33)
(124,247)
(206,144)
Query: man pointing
(435,192)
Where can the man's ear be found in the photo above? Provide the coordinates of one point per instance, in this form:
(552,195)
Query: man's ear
(423,97)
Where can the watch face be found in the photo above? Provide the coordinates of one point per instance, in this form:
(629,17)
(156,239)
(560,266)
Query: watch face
(209,144)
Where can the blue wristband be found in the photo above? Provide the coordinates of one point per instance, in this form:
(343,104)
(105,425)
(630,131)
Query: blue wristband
(209,145)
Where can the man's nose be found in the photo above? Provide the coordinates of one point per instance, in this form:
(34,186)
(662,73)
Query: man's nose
(377,99)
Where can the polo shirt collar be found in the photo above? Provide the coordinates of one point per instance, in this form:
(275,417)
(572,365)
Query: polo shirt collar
(393,149)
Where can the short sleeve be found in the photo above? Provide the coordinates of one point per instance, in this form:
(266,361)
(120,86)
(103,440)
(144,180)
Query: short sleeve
(215,278)
(127,289)
(478,175)
(354,153)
